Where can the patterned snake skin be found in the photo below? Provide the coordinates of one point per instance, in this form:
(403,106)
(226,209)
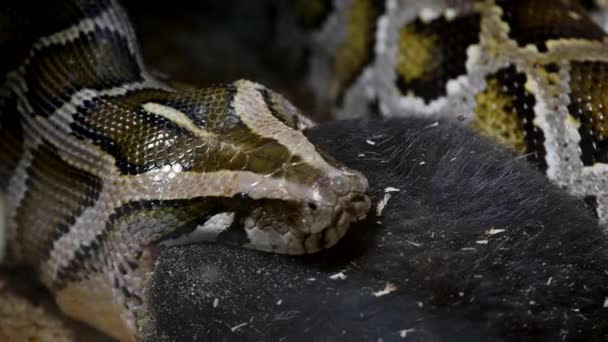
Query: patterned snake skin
(101,163)
(530,74)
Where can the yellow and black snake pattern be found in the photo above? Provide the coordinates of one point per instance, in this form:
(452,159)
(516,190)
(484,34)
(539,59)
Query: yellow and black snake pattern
(101,163)
(530,74)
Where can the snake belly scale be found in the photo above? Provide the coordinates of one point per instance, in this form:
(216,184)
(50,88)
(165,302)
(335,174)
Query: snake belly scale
(101,163)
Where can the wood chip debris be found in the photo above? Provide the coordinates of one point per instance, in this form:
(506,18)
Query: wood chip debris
(574,15)
(338,276)
(382,204)
(388,288)
(238,326)
(495,231)
(606,302)
(481,242)
(403,333)
(415,244)
(391,189)
(216,302)
(370,142)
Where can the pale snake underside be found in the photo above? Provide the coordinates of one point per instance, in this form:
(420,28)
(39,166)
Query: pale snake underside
(102,163)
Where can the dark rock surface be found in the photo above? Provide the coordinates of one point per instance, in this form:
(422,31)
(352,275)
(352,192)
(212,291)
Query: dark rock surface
(476,246)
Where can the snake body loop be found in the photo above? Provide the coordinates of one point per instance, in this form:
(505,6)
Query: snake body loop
(103,164)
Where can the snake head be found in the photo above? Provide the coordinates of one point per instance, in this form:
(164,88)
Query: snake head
(302,216)
(305,201)
(236,150)
(275,190)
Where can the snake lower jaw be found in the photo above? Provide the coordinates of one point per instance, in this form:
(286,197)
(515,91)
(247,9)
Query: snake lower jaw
(351,207)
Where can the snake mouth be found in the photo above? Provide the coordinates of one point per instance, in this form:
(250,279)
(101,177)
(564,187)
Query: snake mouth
(350,208)
(319,227)
(273,225)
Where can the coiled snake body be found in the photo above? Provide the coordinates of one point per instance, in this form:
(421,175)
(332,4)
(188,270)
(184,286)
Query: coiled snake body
(530,74)
(101,163)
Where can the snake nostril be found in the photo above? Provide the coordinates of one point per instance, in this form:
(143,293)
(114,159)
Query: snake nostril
(312,206)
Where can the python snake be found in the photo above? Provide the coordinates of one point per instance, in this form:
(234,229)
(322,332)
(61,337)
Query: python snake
(101,163)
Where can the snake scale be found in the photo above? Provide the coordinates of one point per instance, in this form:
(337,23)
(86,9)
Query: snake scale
(102,164)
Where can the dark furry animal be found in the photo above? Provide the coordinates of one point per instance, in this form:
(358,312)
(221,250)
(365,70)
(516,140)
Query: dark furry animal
(476,246)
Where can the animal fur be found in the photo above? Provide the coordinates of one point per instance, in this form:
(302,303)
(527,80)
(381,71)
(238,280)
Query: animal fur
(476,246)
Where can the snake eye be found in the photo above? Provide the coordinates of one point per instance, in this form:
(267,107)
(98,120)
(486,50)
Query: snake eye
(312,206)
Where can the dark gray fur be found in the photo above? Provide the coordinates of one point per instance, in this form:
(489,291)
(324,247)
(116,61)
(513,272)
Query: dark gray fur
(543,279)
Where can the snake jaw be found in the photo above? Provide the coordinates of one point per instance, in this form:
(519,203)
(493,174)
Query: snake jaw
(269,234)
(351,208)
(318,220)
